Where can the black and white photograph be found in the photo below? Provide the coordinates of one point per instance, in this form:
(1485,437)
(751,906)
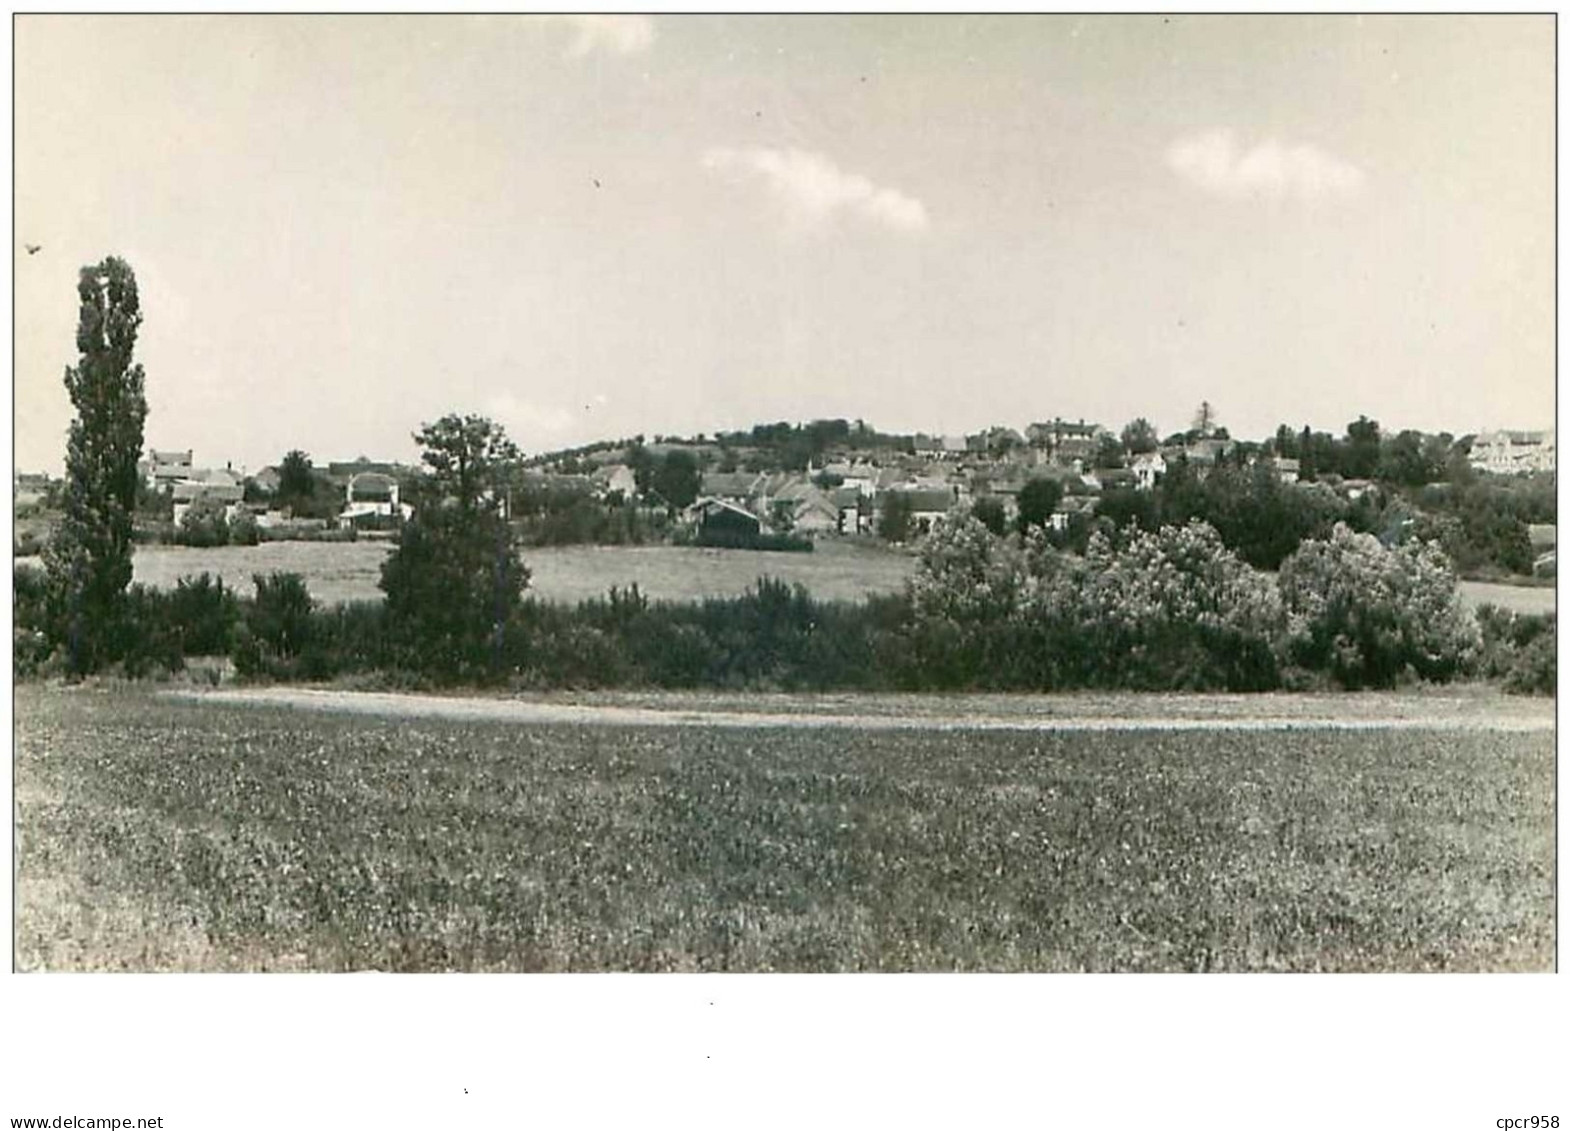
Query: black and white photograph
(1034,494)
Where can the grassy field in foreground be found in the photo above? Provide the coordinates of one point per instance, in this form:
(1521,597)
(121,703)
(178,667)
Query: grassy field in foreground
(162,834)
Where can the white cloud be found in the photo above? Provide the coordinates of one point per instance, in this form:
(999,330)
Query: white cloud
(1214,162)
(813,189)
(619,35)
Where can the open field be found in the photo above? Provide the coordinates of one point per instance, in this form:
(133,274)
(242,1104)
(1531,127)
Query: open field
(837,570)
(157,832)
(349,571)
(1516,598)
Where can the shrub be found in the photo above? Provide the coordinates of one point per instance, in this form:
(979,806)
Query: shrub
(745,540)
(31,633)
(203,614)
(1518,649)
(150,641)
(277,627)
(1166,609)
(963,597)
(1371,615)
(243,530)
(1536,667)
(203,524)
(1172,608)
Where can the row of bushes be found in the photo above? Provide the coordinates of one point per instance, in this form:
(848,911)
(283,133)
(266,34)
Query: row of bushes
(724,539)
(1161,610)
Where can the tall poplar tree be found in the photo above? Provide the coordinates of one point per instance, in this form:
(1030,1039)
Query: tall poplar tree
(89,556)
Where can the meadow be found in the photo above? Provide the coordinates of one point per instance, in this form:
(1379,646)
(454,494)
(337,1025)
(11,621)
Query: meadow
(846,570)
(349,571)
(156,832)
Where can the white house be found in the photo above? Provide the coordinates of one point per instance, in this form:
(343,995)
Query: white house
(371,494)
(1508,452)
(616,477)
(219,486)
(1148,469)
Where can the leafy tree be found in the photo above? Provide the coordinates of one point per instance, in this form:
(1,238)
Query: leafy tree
(1109,452)
(89,556)
(1139,436)
(642,463)
(1402,460)
(1127,506)
(678,478)
(1286,443)
(1368,614)
(990,513)
(1362,449)
(455,580)
(203,524)
(1037,500)
(295,479)
(895,519)
(470,459)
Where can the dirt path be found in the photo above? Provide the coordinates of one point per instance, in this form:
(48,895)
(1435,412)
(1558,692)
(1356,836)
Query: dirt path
(1464,712)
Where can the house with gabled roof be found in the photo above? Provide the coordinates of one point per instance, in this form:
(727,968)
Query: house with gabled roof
(1148,468)
(165,468)
(612,478)
(218,485)
(927,505)
(740,487)
(720,516)
(816,514)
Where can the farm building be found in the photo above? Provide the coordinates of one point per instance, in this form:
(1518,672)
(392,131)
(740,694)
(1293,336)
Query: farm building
(719,517)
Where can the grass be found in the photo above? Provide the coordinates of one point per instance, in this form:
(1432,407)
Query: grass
(162,834)
(349,571)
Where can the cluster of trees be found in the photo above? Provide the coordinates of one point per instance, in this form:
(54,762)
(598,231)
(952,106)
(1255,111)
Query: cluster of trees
(556,516)
(1174,608)
(783,446)
(672,479)
(1256,515)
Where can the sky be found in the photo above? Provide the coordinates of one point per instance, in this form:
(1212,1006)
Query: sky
(595,227)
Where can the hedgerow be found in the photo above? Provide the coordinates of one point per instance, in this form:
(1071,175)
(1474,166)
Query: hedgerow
(1167,609)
